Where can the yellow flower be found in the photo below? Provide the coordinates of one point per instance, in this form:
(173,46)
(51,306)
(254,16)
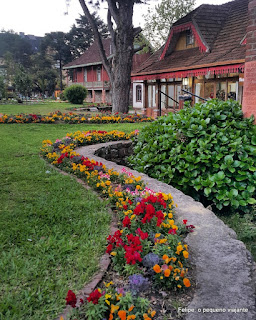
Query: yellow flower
(157,235)
(170,215)
(114,308)
(171,222)
(113,253)
(161,241)
(179,248)
(108,183)
(108,284)
(179,286)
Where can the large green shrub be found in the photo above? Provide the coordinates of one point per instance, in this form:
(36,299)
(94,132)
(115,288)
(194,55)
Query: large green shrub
(208,152)
(75,93)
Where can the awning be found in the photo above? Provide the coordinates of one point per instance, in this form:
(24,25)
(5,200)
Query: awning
(235,68)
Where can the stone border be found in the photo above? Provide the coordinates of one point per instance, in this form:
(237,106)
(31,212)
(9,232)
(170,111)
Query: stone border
(225,272)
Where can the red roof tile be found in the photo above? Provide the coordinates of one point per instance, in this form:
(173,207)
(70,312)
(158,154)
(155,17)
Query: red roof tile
(90,56)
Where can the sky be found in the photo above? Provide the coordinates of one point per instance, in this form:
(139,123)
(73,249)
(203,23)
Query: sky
(38,17)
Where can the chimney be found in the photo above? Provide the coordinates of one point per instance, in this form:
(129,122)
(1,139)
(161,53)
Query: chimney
(249,94)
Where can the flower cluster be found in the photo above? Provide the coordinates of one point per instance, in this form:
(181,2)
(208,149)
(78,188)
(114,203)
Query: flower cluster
(149,240)
(73,118)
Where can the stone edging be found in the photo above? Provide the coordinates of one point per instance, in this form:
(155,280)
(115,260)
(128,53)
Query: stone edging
(225,272)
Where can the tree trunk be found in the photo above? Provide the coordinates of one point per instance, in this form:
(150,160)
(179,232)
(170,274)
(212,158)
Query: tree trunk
(122,61)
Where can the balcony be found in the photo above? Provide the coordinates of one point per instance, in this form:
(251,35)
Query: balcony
(96,85)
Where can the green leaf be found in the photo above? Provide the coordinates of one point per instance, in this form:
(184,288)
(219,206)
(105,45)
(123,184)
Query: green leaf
(233,193)
(242,203)
(207,191)
(251,189)
(220,175)
(251,201)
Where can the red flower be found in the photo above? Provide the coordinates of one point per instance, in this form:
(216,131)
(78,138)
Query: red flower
(127,222)
(94,296)
(185,221)
(130,202)
(125,207)
(71,299)
(172,231)
(190,228)
(109,248)
(143,235)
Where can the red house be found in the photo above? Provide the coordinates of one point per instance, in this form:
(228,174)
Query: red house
(206,54)
(89,71)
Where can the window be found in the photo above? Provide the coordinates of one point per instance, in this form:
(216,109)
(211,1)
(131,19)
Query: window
(189,38)
(138,93)
(85,75)
(99,74)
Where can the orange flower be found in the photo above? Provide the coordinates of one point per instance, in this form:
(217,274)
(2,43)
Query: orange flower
(110,316)
(167,273)
(182,274)
(185,254)
(186,282)
(131,317)
(165,257)
(157,268)
(131,308)
(122,314)
(153,313)
(170,267)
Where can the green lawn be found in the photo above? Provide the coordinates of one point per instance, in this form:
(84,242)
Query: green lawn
(52,230)
(41,108)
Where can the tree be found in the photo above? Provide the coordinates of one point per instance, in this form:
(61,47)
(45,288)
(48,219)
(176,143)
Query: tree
(19,48)
(2,88)
(159,20)
(44,76)
(80,37)
(56,45)
(122,32)
(23,82)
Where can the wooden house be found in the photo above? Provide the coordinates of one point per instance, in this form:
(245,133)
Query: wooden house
(205,54)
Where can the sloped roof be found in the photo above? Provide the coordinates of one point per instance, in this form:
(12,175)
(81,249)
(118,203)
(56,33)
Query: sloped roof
(90,56)
(222,27)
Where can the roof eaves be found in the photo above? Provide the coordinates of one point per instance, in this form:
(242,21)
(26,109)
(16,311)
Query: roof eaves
(86,64)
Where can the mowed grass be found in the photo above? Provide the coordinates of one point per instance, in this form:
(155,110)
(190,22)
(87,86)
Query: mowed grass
(52,230)
(39,108)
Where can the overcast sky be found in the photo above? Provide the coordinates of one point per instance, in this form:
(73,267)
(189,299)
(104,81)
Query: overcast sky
(38,17)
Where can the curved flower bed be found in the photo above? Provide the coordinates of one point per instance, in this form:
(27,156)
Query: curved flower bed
(74,118)
(148,246)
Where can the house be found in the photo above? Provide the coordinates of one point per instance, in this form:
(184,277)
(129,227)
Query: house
(88,70)
(205,54)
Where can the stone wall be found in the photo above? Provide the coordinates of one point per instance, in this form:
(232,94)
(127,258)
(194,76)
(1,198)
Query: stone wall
(116,152)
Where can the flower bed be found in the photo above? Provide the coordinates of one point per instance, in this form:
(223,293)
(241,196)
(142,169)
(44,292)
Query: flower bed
(74,118)
(148,247)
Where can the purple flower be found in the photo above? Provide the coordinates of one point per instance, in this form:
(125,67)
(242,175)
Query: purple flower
(150,260)
(138,283)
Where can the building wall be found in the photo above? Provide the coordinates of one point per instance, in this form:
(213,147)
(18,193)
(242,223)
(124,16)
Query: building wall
(181,44)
